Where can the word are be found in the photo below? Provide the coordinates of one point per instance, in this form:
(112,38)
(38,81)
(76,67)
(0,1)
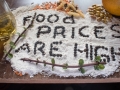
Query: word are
(90,51)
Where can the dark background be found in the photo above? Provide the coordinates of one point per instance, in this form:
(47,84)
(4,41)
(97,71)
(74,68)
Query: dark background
(83,5)
(105,86)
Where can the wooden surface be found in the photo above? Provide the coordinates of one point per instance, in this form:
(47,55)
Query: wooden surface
(7,75)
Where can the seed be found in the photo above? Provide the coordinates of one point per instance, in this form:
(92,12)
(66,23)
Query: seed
(93,16)
(99,19)
(104,20)
(94,11)
(104,17)
(97,14)
(99,8)
(5,34)
(94,6)
(97,11)
(90,10)
(101,15)
(102,12)
(91,13)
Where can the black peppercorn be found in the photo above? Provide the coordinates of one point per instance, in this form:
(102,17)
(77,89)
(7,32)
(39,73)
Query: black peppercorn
(57,18)
(43,18)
